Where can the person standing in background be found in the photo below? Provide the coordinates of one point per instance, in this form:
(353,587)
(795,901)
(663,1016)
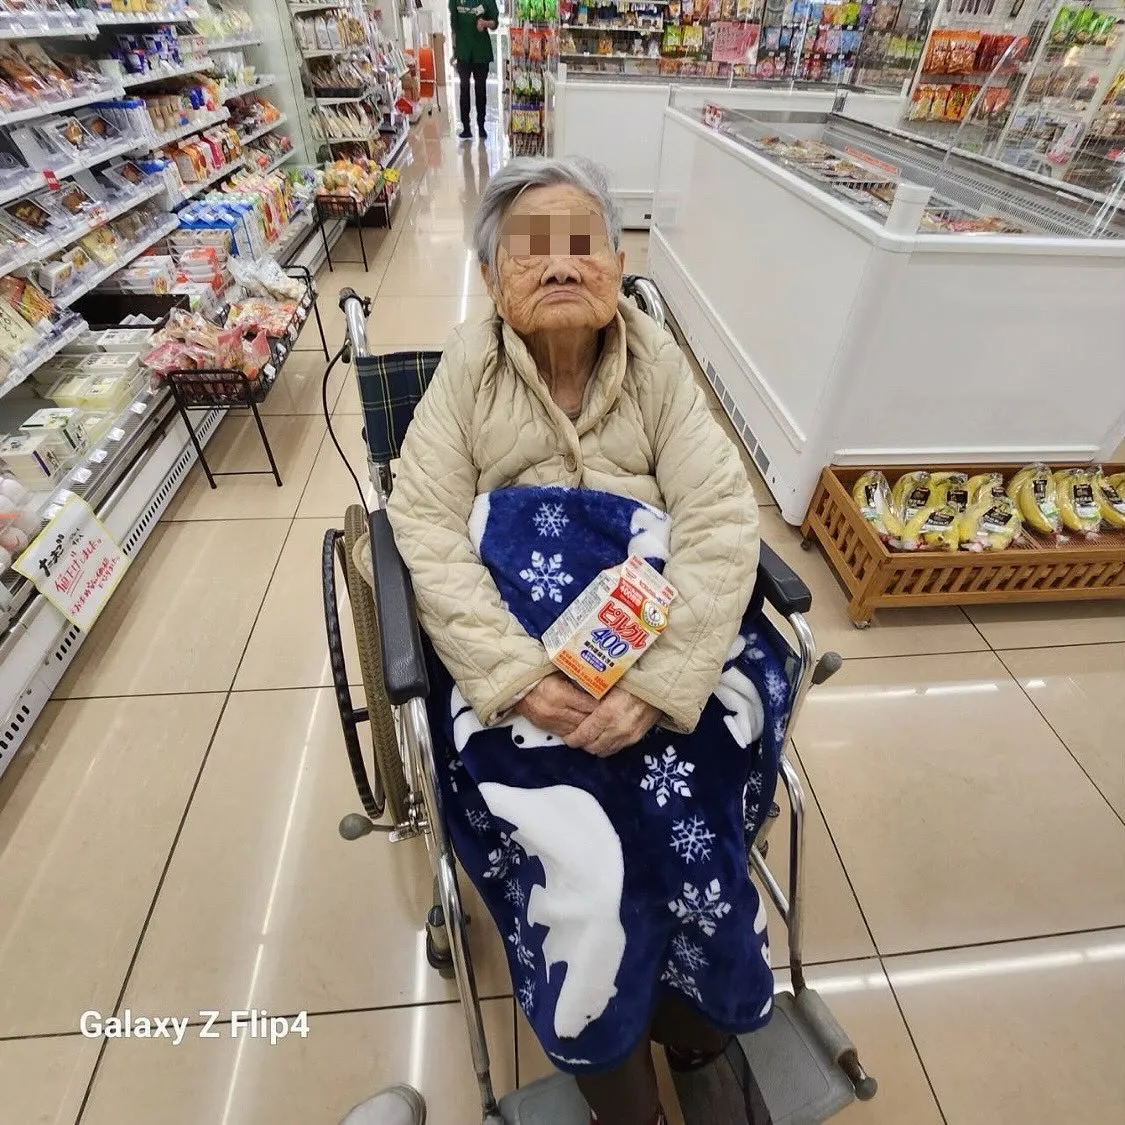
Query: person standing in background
(471,21)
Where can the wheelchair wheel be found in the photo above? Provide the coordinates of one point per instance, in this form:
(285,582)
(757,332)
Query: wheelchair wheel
(388,759)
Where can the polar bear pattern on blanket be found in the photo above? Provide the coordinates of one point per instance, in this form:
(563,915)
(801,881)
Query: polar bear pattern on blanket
(613,880)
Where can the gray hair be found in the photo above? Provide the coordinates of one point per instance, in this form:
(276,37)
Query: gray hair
(511,181)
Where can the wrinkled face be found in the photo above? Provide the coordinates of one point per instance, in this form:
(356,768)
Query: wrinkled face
(555,269)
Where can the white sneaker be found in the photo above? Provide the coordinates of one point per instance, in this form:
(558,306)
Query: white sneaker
(397,1105)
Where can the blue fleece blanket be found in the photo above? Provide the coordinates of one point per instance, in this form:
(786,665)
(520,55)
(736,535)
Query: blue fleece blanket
(612,880)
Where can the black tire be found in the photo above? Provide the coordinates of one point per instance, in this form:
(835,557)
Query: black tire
(388,758)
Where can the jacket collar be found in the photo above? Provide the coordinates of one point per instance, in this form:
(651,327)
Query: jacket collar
(605,380)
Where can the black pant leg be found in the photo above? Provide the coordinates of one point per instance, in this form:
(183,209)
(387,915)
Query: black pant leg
(480,81)
(464,74)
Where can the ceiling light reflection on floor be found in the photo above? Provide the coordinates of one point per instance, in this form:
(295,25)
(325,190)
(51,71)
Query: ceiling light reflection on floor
(966,970)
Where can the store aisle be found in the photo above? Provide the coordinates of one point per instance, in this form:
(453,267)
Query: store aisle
(168,838)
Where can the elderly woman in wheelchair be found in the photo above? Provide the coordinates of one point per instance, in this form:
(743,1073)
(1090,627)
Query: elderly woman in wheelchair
(561,435)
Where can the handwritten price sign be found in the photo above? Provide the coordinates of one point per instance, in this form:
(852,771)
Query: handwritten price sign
(75,563)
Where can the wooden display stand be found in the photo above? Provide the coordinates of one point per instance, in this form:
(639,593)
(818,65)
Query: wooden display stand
(878,578)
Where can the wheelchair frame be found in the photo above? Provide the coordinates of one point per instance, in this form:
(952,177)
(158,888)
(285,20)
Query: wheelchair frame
(405,777)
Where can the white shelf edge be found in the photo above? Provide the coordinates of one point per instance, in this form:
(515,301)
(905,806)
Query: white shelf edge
(297,9)
(47,108)
(233,43)
(131,255)
(135,80)
(250,137)
(80,29)
(125,19)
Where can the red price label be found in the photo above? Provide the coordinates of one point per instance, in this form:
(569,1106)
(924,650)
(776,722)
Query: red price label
(51,178)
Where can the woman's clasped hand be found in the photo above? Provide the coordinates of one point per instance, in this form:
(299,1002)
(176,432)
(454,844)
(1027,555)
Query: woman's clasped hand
(600,727)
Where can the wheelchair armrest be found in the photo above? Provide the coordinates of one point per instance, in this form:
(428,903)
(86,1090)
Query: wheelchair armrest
(404,665)
(781,585)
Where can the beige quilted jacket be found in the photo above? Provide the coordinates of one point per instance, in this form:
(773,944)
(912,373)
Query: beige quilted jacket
(488,422)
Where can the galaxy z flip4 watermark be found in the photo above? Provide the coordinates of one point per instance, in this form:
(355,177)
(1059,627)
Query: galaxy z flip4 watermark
(254,1023)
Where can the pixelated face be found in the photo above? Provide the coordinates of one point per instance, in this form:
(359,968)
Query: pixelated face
(556,268)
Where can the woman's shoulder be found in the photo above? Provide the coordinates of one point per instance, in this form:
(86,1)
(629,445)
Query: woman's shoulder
(472,348)
(653,350)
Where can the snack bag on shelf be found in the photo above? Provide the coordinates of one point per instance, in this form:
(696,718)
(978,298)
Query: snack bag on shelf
(1078,504)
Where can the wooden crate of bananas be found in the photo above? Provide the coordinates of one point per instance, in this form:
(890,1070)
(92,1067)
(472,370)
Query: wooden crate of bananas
(906,536)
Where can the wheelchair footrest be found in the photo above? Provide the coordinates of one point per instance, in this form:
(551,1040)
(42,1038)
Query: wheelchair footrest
(800,1082)
(550,1101)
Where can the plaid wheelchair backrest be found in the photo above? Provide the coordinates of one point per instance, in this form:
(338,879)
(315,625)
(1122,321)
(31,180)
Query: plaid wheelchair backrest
(390,386)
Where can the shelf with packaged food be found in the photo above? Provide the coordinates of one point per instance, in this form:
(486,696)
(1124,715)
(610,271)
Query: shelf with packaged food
(165,227)
(203,121)
(131,482)
(262,130)
(232,43)
(300,9)
(65,23)
(196,66)
(260,82)
(107,89)
(46,350)
(72,233)
(125,19)
(33,181)
(191,190)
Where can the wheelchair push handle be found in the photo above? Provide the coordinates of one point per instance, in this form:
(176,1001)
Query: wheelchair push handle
(356,310)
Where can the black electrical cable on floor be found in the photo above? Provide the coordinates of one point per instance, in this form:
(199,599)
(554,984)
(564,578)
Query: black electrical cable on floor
(332,432)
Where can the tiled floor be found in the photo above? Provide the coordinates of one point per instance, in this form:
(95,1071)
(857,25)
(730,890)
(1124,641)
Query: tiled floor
(168,837)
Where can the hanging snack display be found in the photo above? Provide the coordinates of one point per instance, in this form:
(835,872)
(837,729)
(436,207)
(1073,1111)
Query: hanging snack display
(534,54)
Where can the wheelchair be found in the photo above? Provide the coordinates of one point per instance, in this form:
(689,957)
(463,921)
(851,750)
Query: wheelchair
(804,1065)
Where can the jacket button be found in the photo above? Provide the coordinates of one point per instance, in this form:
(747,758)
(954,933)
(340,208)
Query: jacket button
(570,462)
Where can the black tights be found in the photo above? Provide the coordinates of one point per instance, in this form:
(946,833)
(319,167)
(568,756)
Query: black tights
(477,74)
(627,1095)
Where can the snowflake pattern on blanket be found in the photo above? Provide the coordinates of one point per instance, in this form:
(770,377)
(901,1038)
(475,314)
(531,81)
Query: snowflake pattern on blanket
(613,880)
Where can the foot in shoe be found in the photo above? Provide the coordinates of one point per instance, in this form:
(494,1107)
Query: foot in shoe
(481,133)
(465,134)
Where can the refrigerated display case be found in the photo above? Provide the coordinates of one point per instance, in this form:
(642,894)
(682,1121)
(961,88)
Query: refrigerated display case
(856,295)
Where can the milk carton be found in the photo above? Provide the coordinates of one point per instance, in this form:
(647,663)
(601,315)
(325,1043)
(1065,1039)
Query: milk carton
(610,625)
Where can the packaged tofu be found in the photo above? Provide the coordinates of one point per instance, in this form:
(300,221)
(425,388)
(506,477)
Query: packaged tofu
(610,625)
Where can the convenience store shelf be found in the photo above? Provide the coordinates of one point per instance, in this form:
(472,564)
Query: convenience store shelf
(133,486)
(45,109)
(273,164)
(260,83)
(298,9)
(204,122)
(135,251)
(122,19)
(612,27)
(177,72)
(79,230)
(233,43)
(36,181)
(50,348)
(263,130)
(64,24)
(192,190)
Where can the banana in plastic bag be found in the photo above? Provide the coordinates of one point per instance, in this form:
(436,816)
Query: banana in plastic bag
(912,493)
(1035,494)
(1078,506)
(1111,502)
(872,495)
(990,524)
(983,485)
(933,529)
